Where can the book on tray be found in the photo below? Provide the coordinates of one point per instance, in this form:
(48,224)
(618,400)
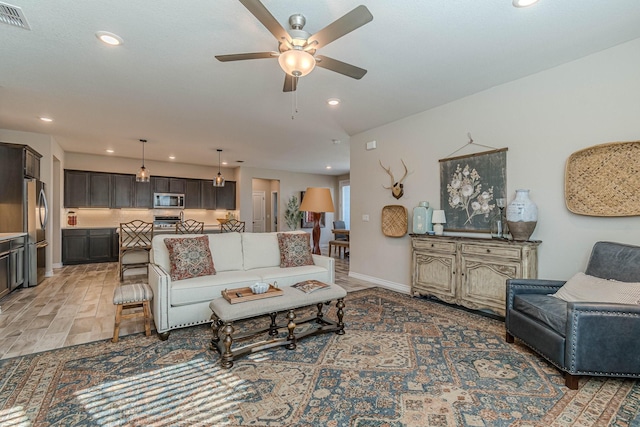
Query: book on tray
(309,286)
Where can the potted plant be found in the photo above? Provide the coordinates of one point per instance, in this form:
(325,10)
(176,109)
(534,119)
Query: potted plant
(292,214)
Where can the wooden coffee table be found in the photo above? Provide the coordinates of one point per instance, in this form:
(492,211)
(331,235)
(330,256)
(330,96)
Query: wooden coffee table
(225,313)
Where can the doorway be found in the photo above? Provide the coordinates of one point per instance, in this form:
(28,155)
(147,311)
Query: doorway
(258,212)
(274,211)
(345,202)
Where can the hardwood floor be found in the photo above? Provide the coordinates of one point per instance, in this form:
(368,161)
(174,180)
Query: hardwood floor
(75,306)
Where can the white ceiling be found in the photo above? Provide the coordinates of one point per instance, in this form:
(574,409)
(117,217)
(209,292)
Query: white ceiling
(165,85)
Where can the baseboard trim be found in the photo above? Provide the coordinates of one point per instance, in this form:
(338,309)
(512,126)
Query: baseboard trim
(57,265)
(398,287)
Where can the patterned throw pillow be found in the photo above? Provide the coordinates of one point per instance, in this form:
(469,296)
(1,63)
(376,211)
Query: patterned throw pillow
(295,250)
(190,257)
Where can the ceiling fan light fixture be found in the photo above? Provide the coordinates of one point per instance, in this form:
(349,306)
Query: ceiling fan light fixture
(524,3)
(219,179)
(296,62)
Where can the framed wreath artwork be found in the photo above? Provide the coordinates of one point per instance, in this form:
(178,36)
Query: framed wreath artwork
(307,217)
(469,186)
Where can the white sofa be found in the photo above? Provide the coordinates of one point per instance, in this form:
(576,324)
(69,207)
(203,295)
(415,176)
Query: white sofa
(240,259)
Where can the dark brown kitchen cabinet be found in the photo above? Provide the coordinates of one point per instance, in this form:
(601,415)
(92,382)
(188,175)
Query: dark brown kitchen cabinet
(76,188)
(143,195)
(100,241)
(163,184)
(192,194)
(218,197)
(122,191)
(4,268)
(31,163)
(99,190)
(226,196)
(87,245)
(207,195)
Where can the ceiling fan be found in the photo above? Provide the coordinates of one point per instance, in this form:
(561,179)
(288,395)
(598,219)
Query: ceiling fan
(297,48)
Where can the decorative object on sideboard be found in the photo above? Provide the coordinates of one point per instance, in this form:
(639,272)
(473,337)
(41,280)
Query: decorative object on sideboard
(439,219)
(143,174)
(522,216)
(394,220)
(422,218)
(219,179)
(498,223)
(599,180)
(468,187)
(317,201)
(397,187)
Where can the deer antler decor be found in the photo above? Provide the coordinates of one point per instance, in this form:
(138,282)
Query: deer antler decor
(397,187)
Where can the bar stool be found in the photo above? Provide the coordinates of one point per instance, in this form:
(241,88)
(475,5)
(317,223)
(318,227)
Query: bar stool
(131,296)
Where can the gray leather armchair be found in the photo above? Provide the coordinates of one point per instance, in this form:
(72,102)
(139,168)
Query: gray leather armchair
(580,338)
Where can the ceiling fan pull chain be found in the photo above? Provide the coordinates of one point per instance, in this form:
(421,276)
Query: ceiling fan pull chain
(294,99)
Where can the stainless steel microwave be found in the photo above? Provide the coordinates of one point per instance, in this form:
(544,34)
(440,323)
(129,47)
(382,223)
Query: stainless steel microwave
(168,201)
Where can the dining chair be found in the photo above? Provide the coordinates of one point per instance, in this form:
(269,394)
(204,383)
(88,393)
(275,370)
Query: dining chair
(190,226)
(340,241)
(134,245)
(232,225)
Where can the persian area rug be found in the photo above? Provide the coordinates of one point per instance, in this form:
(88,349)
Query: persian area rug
(402,362)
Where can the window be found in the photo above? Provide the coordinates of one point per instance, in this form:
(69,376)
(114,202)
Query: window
(345,203)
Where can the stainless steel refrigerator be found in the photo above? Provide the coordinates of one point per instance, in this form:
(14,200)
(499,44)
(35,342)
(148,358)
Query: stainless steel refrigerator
(37,217)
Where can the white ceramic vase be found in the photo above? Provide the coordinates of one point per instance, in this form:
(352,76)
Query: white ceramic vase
(522,216)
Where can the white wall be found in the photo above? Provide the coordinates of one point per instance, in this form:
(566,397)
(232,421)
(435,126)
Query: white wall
(542,119)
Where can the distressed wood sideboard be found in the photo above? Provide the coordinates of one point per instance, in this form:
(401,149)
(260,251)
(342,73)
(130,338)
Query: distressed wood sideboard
(471,272)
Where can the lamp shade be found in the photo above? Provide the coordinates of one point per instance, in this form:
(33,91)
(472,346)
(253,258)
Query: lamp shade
(317,199)
(438,217)
(296,62)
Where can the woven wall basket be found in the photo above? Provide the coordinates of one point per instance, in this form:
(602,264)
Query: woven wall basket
(394,220)
(604,180)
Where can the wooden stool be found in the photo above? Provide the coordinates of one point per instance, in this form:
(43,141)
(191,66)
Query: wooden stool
(132,296)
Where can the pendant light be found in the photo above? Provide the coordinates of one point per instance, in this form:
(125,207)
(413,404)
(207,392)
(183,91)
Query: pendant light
(219,181)
(143,174)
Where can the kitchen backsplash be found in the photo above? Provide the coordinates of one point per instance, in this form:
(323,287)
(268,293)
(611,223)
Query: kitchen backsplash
(111,218)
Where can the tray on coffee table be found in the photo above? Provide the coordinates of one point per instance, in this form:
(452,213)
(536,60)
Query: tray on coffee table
(237,295)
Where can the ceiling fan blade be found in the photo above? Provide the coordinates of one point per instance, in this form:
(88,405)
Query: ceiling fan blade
(341,26)
(290,83)
(258,10)
(243,56)
(340,67)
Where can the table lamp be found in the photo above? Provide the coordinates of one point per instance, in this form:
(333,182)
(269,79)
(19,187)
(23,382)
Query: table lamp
(317,200)
(438,219)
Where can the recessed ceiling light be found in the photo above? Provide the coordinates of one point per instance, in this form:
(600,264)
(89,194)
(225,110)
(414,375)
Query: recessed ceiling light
(225,163)
(172,157)
(109,150)
(336,141)
(524,3)
(328,166)
(46,119)
(109,38)
(333,101)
